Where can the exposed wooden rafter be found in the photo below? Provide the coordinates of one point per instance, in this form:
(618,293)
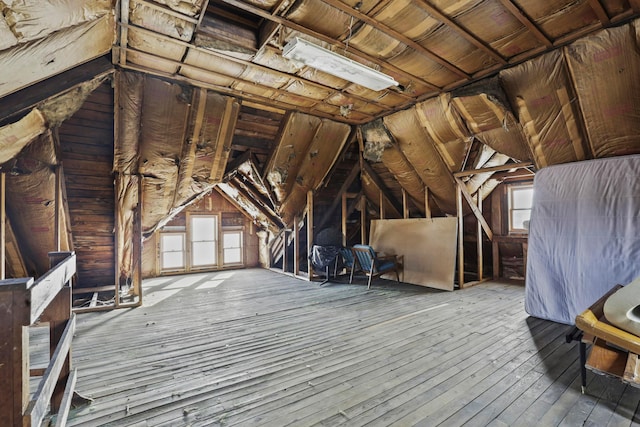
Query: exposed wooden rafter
(398,36)
(600,12)
(460,30)
(516,12)
(395,204)
(284,22)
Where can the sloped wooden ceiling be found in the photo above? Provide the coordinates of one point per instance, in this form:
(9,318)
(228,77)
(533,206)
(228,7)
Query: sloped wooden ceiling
(201,86)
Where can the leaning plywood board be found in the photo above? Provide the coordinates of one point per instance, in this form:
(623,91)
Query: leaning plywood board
(426,247)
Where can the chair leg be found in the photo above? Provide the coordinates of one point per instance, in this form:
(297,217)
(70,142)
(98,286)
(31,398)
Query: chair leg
(398,275)
(351,275)
(369,284)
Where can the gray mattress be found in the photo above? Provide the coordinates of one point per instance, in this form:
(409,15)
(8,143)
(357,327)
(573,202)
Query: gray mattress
(584,235)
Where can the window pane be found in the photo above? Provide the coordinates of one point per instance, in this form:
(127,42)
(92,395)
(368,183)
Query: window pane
(203,253)
(519,217)
(231,240)
(203,228)
(172,242)
(233,256)
(522,198)
(172,260)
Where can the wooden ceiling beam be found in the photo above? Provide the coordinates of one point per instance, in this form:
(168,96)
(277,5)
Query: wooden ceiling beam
(499,168)
(238,61)
(292,25)
(520,16)
(600,12)
(169,11)
(253,192)
(226,90)
(398,36)
(28,97)
(263,210)
(460,30)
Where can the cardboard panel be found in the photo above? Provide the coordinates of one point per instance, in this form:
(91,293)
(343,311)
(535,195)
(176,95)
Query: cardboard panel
(427,248)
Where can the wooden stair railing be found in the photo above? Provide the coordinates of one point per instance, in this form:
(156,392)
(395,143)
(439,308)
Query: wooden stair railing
(23,303)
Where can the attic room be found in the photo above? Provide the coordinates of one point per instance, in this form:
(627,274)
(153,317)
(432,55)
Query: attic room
(319,212)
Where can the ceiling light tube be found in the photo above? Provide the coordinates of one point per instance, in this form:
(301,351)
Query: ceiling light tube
(337,65)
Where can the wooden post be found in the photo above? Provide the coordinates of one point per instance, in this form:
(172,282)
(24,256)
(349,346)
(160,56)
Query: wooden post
(344,219)
(479,237)
(57,314)
(296,245)
(381,205)
(3,225)
(58,206)
(137,246)
(363,220)
(14,350)
(460,237)
(495,252)
(405,207)
(427,208)
(309,233)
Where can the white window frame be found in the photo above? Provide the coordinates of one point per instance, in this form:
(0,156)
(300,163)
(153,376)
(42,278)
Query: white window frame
(216,242)
(184,250)
(510,201)
(230,230)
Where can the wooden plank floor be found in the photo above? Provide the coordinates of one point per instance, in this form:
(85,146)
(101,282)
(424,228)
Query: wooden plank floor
(257,348)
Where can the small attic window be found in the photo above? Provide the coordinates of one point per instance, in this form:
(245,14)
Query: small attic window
(520,202)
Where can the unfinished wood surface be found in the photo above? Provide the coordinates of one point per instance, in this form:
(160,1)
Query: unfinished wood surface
(253,347)
(426,249)
(88,182)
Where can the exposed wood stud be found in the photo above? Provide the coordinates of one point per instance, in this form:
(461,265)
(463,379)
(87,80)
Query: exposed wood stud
(464,33)
(363,219)
(169,11)
(515,11)
(479,239)
(345,186)
(427,208)
(310,233)
(597,8)
(296,245)
(405,207)
(319,36)
(398,36)
(460,237)
(485,226)
(506,167)
(397,206)
(3,225)
(343,216)
(121,56)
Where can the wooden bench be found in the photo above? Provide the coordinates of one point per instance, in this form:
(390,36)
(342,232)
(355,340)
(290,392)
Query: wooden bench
(614,352)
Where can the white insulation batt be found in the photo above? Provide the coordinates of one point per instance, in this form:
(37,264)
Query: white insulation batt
(583,238)
(30,62)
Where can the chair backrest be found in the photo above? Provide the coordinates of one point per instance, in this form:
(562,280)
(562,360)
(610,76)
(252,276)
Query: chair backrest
(347,256)
(366,256)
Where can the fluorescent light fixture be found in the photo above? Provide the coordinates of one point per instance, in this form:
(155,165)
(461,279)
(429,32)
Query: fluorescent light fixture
(332,63)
